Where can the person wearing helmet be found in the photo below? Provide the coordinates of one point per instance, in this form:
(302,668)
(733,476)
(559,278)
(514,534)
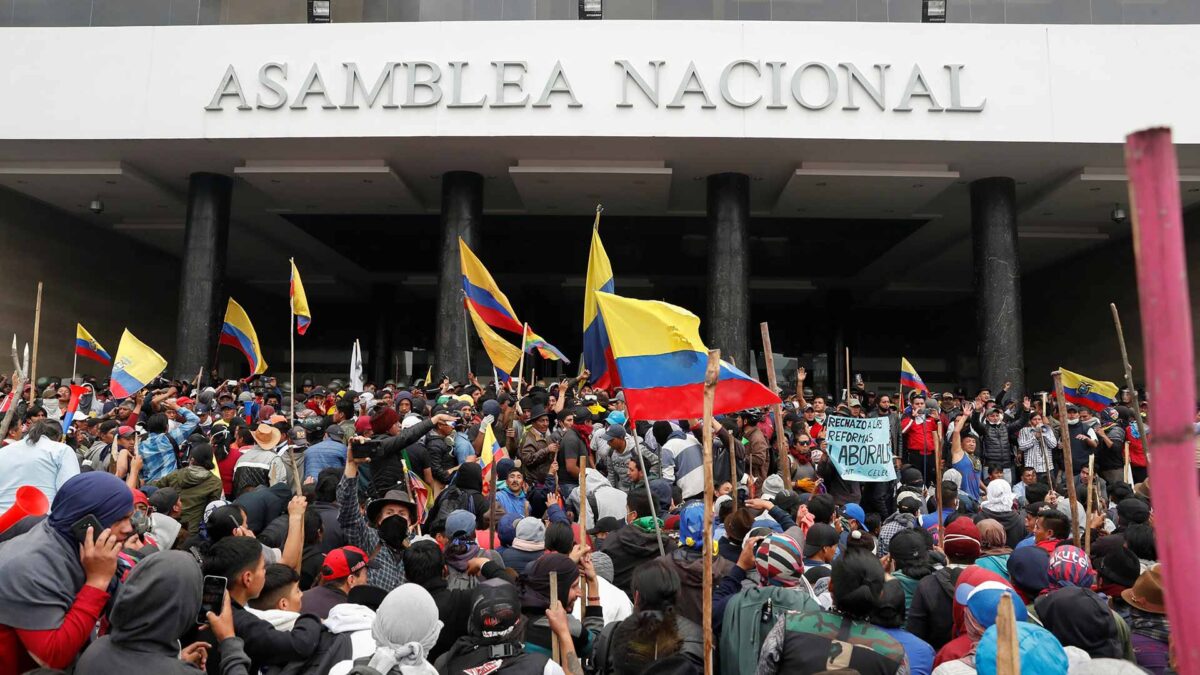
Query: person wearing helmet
(493,642)
(757,447)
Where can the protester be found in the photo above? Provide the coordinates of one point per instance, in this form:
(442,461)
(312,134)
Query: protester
(405,628)
(40,460)
(656,631)
(197,485)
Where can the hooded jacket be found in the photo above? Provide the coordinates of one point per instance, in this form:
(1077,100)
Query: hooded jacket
(1013,522)
(995,446)
(931,615)
(156,604)
(689,565)
(197,487)
(629,547)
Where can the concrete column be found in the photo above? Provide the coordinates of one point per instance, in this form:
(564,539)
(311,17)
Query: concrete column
(997,283)
(201,284)
(729,266)
(380,363)
(462,215)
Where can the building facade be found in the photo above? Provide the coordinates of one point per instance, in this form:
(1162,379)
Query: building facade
(861,181)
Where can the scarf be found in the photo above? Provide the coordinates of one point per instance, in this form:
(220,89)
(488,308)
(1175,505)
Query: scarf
(406,627)
(999,497)
(585,431)
(647,524)
(1153,626)
(459,560)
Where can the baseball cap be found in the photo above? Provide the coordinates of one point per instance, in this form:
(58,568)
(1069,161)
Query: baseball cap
(818,537)
(983,601)
(460,524)
(614,431)
(184,400)
(855,512)
(228,406)
(298,435)
(620,396)
(335,432)
(126,431)
(362,425)
(606,524)
(343,562)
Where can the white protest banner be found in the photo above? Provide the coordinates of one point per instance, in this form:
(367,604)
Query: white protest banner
(860,448)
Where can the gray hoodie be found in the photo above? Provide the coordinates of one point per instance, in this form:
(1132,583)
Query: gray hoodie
(156,604)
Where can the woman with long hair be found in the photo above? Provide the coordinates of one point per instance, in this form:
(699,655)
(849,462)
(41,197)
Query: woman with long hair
(655,631)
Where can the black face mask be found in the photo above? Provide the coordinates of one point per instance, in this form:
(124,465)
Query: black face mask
(393,530)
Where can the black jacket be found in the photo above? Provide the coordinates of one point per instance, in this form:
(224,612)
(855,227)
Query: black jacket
(264,504)
(265,645)
(387,467)
(1013,522)
(275,533)
(629,547)
(995,440)
(931,616)
(454,608)
(441,457)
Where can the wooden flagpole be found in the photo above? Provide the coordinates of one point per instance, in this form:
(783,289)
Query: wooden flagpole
(1087,509)
(710,392)
(555,649)
(1137,404)
(782,458)
(637,452)
(37,327)
(1065,440)
(521,368)
(849,383)
(583,509)
(1159,253)
(1008,651)
(937,484)
(493,488)
(296,479)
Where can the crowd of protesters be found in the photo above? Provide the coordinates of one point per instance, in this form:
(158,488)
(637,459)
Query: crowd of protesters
(358,532)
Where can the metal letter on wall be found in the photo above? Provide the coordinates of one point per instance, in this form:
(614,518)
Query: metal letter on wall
(503,84)
(956,91)
(629,73)
(230,86)
(917,86)
(691,84)
(264,79)
(831,90)
(354,83)
(456,76)
(727,72)
(314,85)
(553,87)
(431,84)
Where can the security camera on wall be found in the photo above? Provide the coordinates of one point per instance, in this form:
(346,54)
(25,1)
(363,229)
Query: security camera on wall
(1118,214)
(96,207)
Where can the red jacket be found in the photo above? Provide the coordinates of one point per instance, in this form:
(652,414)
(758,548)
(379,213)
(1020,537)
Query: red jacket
(920,437)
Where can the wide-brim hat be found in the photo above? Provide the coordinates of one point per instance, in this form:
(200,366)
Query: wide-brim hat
(266,436)
(390,497)
(538,411)
(1147,592)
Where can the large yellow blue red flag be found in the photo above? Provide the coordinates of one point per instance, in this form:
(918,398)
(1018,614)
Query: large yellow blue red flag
(238,332)
(597,352)
(135,365)
(87,347)
(483,295)
(504,355)
(1084,391)
(661,361)
(299,301)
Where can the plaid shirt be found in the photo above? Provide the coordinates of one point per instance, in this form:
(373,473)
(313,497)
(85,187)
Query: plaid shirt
(158,455)
(386,570)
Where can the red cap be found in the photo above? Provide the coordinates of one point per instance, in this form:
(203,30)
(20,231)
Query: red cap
(184,400)
(342,562)
(126,431)
(363,424)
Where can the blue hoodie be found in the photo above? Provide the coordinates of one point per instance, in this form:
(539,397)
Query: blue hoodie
(512,503)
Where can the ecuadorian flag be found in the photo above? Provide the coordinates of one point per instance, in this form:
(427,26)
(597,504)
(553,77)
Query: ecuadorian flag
(503,355)
(491,453)
(238,332)
(299,301)
(597,352)
(1084,391)
(135,365)
(661,361)
(87,347)
(909,379)
(483,295)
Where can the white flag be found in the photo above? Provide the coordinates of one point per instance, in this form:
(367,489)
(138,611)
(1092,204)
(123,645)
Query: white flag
(356,368)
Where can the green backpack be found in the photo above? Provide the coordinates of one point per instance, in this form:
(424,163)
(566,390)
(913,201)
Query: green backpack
(749,616)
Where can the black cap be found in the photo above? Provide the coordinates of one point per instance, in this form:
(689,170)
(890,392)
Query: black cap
(818,537)
(1133,510)
(605,525)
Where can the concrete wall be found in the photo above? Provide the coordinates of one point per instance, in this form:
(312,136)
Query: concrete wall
(1067,319)
(96,277)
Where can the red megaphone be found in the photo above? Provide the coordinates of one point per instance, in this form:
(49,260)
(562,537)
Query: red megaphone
(30,502)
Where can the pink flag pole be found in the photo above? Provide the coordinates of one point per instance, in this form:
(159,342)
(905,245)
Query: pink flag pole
(1170,376)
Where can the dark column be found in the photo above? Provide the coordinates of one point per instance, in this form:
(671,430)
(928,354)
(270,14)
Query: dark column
(462,214)
(201,291)
(382,298)
(997,283)
(729,266)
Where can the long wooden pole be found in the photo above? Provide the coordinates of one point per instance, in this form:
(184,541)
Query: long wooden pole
(733,473)
(710,392)
(848,381)
(782,458)
(1008,652)
(583,509)
(937,484)
(1159,253)
(493,488)
(1064,433)
(37,329)
(555,649)
(1087,511)
(521,368)
(1137,404)
(637,452)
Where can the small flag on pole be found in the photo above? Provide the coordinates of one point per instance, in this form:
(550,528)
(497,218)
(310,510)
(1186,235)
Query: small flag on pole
(909,377)
(503,354)
(238,332)
(87,347)
(299,301)
(72,406)
(429,375)
(491,453)
(545,349)
(596,348)
(135,365)
(356,368)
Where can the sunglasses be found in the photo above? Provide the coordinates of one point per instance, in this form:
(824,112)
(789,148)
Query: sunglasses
(804,444)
